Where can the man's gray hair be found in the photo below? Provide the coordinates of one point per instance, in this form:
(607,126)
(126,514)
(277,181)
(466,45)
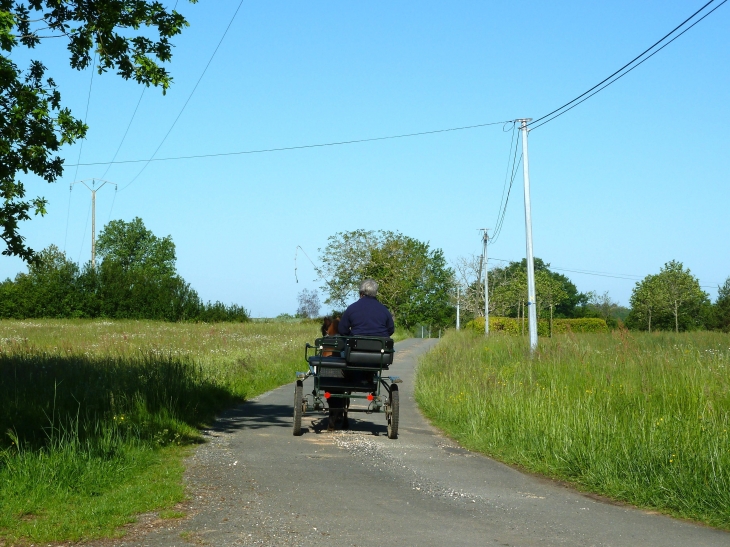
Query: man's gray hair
(369,287)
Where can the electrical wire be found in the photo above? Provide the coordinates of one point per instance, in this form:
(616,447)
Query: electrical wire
(506,174)
(109,218)
(81,148)
(501,216)
(534,123)
(503,209)
(68,217)
(189,97)
(304,146)
(625,73)
(88,214)
(119,148)
(296,252)
(109,165)
(627,277)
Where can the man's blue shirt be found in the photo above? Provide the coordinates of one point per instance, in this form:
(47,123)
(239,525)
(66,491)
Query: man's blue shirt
(366,317)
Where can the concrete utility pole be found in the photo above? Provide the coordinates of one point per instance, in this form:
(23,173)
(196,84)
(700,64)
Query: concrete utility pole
(531,300)
(485,239)
(458,304)
(93,189)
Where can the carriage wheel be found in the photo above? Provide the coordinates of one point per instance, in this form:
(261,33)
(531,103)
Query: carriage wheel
(298,408)
(393,414)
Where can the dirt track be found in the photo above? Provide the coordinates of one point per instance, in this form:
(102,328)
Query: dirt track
(254,483)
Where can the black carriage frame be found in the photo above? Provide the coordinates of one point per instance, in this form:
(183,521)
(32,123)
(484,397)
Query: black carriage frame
(349,367)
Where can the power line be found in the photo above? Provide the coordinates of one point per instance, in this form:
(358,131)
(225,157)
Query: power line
(498,230)
(503,212)
(515,167)
(119,148)
(83,237)
(81,147)
(109,165)
(109,218)
(623,67)
(561,110)
(189,97)
(303,146)
(626,277)
(506,177)
(86,115)
(610,79)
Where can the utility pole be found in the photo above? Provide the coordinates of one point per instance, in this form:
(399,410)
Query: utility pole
(458,303)
(93,189)
(531,300)
(485,239)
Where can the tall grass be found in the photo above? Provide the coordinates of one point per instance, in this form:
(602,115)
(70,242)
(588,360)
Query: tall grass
(95,415)
(643,418)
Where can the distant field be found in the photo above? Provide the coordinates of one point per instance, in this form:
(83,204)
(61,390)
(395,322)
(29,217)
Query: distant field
(643,418)
(95,416)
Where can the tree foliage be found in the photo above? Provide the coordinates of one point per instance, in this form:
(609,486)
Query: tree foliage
(555,293)
(669,300)
(468,278)
(134,248)
(33,123)
(136,279)
(550,292)
(605,307)
(49,289)
(721,311)
(137,275)
(414,280)
(308,304)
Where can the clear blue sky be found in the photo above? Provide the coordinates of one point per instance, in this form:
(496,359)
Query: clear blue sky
(632,178)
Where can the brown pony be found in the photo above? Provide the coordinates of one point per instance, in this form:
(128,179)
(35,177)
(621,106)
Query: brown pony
(338,406)
(329,328)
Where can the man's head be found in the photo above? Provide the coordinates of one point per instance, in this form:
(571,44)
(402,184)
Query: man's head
(369,288)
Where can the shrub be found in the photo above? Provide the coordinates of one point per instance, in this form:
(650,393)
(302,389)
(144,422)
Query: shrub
(512,325)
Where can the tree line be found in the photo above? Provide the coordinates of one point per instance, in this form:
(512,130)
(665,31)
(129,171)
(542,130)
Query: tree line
(136,279)
(557,296)
(670,300)
(674,300)
(415,281)
(420,288)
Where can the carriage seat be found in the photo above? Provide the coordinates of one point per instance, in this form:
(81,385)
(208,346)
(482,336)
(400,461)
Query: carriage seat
(341,351)
(369,352)
(327,361)
(330,352)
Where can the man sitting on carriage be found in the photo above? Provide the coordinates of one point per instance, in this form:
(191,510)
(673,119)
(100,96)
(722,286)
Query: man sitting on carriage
(366,317)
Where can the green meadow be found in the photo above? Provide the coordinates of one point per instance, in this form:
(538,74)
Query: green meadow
(642,418)
(96,416)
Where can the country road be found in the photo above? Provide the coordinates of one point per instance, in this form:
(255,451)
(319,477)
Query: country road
(253,483)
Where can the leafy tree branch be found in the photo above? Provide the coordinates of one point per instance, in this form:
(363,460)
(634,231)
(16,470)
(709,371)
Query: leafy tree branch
(131,37)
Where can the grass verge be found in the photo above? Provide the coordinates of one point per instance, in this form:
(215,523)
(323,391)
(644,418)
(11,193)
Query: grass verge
(642,418)
(95,416)
(68,496)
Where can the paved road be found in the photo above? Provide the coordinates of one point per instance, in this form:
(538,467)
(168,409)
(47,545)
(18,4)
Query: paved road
(254,483)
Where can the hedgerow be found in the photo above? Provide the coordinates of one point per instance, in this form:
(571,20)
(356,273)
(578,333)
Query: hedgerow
(512,325)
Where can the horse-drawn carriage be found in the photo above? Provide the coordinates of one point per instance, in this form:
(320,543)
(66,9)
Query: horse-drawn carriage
(346,368)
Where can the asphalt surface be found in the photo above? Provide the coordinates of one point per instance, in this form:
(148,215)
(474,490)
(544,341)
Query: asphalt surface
(253,483)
